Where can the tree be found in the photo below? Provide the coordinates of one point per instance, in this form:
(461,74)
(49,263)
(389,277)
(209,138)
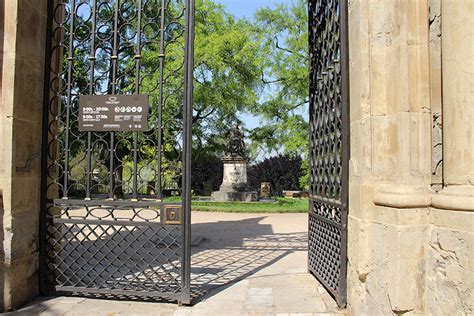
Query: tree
(227,74)
(227,80)
(283,40)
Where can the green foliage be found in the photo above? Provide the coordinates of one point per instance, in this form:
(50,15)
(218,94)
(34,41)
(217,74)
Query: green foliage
(206,167)
(305,178)
(228,64)
(283,172)
(259,67)
(283,38)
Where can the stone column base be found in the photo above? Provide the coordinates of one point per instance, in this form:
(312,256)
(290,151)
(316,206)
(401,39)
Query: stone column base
(458,197)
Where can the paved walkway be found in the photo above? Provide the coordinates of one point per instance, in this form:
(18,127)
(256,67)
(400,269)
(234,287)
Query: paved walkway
(248,264)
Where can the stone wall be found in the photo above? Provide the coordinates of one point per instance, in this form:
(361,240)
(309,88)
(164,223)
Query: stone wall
(23,45)
(408,253)
(449,263)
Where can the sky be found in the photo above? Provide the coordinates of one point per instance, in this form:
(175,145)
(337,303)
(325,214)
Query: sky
(246,8)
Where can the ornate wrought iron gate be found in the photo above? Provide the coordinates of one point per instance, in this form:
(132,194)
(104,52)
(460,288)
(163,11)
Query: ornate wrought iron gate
(329,121)
(116,204)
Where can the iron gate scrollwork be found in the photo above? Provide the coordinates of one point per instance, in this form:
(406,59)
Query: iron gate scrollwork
(106,194)
(329,150)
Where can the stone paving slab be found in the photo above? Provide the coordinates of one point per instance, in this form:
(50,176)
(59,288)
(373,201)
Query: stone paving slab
(247,264)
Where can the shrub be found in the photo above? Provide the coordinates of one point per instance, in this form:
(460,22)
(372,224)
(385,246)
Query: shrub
(206,168)
(283,172)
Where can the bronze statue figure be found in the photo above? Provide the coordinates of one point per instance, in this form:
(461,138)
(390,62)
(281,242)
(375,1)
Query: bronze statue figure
(236,145)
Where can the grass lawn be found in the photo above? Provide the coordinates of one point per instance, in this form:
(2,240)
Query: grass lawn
(282,205)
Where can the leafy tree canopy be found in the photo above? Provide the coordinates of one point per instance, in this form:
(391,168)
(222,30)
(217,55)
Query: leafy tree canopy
(228,64)
(283,40)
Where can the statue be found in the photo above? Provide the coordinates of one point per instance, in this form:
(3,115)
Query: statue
(236,145)
(234,184)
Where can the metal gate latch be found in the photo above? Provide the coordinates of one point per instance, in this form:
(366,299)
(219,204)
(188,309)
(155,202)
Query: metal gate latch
(173,215)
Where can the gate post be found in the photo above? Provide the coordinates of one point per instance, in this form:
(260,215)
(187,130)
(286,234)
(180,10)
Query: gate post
(23,29)
(409,246)
(390,166)
(458,106)
(452,235)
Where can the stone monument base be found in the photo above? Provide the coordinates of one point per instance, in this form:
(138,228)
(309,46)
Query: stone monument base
(229,196)
(234,183)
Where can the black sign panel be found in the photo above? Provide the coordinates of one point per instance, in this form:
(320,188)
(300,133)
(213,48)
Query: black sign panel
(113,113)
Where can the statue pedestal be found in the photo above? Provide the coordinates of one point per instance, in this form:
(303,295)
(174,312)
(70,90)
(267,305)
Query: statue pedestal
(222,196)
(234,184)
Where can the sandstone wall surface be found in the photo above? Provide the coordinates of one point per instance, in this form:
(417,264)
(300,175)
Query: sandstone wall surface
(409,246)
(24,24)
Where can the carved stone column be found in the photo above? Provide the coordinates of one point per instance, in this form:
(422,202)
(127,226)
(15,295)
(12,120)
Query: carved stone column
(408,250)
(390,162)
(458,106)
(449,265)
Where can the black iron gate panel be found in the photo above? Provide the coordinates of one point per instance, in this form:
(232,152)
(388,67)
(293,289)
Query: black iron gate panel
(116,204)
(329,152)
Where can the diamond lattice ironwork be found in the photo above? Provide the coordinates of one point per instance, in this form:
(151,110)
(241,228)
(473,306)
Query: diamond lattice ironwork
(103,223)
(329,144)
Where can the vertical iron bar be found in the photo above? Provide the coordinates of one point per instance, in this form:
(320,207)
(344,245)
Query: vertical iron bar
(137,91)
(44,287)
(159,189)
(91,92)
(311,87)
(345,105)
(135,166)
(68,104)
(114,86)
(187,149)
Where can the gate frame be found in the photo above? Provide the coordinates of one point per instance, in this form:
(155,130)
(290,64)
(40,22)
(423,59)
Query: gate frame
(345,104)
(189,24)
(340,295)
(187,150)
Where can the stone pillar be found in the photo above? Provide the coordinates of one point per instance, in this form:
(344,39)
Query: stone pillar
(458,105)
(450,244)
(390,165)
(24,26)
(410,249)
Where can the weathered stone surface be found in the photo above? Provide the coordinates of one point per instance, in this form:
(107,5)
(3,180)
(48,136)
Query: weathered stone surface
(436,94)
(449,265)
(22,278)
(20,136)
(458,94)
(233,196)
(235,176)
(234,183)
(408,251)
(392,255)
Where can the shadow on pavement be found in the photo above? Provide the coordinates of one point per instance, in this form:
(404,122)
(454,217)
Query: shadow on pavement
(235,250)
